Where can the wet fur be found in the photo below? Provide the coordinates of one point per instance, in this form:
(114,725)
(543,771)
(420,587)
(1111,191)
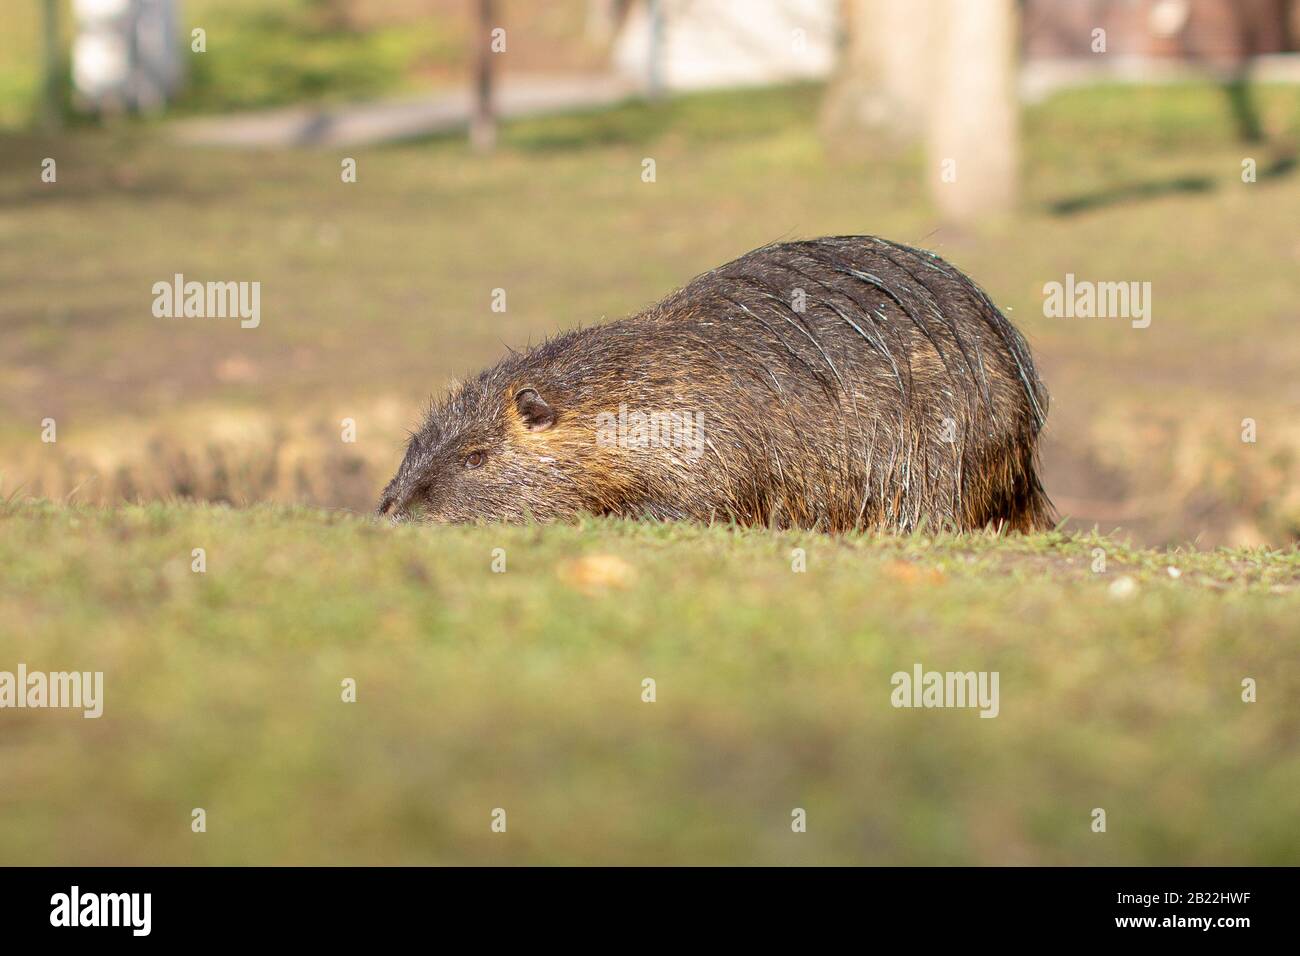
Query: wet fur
(831,417)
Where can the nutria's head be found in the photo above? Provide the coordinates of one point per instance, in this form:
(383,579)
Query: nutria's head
(503,447)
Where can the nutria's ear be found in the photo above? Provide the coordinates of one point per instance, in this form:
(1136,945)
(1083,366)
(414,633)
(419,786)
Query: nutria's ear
(536,414)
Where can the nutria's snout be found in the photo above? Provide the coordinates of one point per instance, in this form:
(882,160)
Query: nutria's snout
(838,383)
(399,511)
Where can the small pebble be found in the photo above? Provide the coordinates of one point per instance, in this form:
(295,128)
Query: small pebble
(1123,588)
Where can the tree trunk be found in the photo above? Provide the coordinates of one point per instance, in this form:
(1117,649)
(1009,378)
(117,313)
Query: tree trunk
(483,122)
(973,132)
(52,82)
(882,87)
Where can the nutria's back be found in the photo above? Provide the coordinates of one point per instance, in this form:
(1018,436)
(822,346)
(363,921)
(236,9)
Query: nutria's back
(834,383)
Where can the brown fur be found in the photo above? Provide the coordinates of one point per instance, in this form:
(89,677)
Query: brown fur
(898,394)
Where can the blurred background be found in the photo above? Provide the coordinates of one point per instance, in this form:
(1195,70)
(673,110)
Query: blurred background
(502,146)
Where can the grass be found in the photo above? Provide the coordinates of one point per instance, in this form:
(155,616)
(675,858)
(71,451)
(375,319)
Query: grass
(375,294)
(1120,688)
(522,690)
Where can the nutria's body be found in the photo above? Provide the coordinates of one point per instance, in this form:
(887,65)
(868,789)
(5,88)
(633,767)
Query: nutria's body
(836,383)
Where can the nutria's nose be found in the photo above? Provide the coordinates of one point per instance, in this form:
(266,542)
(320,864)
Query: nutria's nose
(394,508)
(398,505)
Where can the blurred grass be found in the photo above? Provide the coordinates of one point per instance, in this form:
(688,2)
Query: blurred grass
(522,690)
(289,52)
(376,293)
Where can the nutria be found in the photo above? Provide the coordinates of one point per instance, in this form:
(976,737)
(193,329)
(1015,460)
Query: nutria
(837,383)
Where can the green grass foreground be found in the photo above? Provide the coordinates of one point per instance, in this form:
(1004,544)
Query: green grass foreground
(522,690)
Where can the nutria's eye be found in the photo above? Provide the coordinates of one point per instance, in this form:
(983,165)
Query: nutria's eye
(474,459)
